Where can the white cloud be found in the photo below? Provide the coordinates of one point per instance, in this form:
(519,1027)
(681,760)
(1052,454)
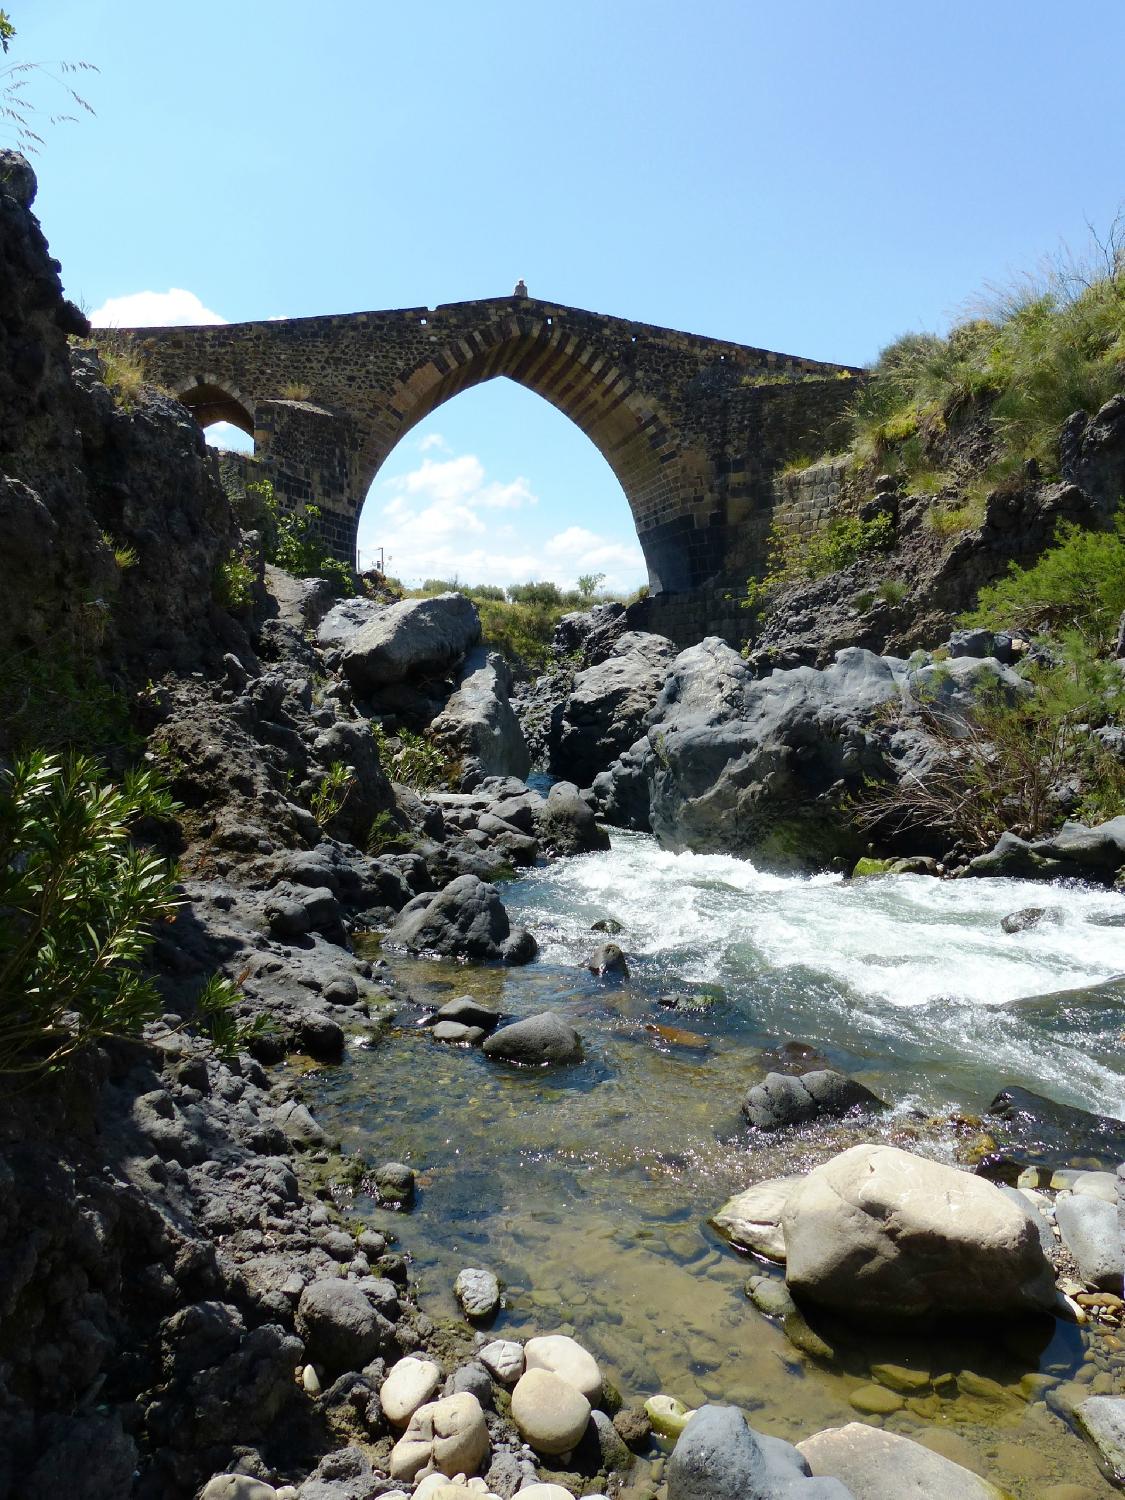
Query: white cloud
(173,308)
(433,440)
(447,519)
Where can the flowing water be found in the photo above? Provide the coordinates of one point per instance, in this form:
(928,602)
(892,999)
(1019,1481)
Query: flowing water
(588,1189)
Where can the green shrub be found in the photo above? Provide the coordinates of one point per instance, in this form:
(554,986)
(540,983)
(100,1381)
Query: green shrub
(331,792)
(292,543)
(386,836)
(216,1012)
(1077,585)
(234,583)
(893,590)
(547,594)
(411,759)
(77,904)
(795,554)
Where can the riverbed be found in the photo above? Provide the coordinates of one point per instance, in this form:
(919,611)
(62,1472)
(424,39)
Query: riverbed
(588,1189)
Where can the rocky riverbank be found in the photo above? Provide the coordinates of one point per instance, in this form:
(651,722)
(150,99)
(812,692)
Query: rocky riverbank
(189,1292)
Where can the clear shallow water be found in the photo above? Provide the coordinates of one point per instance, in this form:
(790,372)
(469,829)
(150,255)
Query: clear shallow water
(588,1190)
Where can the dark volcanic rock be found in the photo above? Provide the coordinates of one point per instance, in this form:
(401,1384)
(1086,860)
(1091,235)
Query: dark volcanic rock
(411,639)
(535,1041)
(718,1456)
(781,1100)
(1075,852)
(1056,1133)
(465,920)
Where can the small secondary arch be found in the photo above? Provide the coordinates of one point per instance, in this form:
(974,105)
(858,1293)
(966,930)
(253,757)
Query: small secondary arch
(209,402)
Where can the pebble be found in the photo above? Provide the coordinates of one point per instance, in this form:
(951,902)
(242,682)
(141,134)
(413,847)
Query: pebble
(566,1358)
(504,1359)
(478,1292)
(668,1416)
(409,1384)
(875,1400)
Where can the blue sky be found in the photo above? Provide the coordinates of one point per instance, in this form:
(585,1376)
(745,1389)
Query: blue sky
(813,177)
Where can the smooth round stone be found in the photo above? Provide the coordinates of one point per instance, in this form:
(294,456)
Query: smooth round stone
(240,1487)
(504,1359)
(545,1492)
(450,1434)
(458,1033)
(551,1414)
(477,1291)
(310,1380)
(441,1487)
(668,1416)
(409,1384)
(876,1400)
(566,1358)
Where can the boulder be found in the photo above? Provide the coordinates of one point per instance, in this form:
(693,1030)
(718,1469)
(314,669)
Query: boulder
(719,1457)
(1102,1420)
(567,824)
(536,1041)
(759,767)
(607,958)
(412,639)
(478,725)
(880,1465)
(752,1219)
(1074,853)
(773,1298)
(877,1229)
(477,1291)
(345,620)
(409,1384)
(341,1329)
(464,920)
(567,1359)
(466,1011)
(1090,1231)
(1043,1127)
(550,1413)
(605,710)
(781,1100)
(394,1184)
(450,1434)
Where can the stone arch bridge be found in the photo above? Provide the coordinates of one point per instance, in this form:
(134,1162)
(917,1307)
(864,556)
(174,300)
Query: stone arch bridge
(695,429)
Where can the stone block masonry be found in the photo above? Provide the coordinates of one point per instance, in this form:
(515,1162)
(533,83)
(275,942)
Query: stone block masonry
(696,430)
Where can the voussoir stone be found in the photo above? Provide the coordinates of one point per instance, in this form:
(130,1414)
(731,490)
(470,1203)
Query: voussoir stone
(449,1434)
(550,1413)
(877,1229)
(880,1465)
(567,1359)
(409,1384)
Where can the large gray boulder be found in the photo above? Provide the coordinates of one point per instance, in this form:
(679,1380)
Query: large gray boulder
(345,620)
(341,1329)
(1075,852)
(478,725)
(605,710)
(879,1230)
(414,638)
(759,767)
(466,919)
(719,1457)
(781,1100)
(536,1041)
(878,1465)
(567,824)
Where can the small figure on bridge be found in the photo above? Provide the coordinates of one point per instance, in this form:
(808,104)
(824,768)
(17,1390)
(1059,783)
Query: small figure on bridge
(521,288)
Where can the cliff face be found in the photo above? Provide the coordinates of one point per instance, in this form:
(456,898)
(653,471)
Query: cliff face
(85,473)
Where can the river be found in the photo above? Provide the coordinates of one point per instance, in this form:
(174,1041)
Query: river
(588,1189)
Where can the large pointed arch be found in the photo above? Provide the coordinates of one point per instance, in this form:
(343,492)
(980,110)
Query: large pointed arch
(600,397)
